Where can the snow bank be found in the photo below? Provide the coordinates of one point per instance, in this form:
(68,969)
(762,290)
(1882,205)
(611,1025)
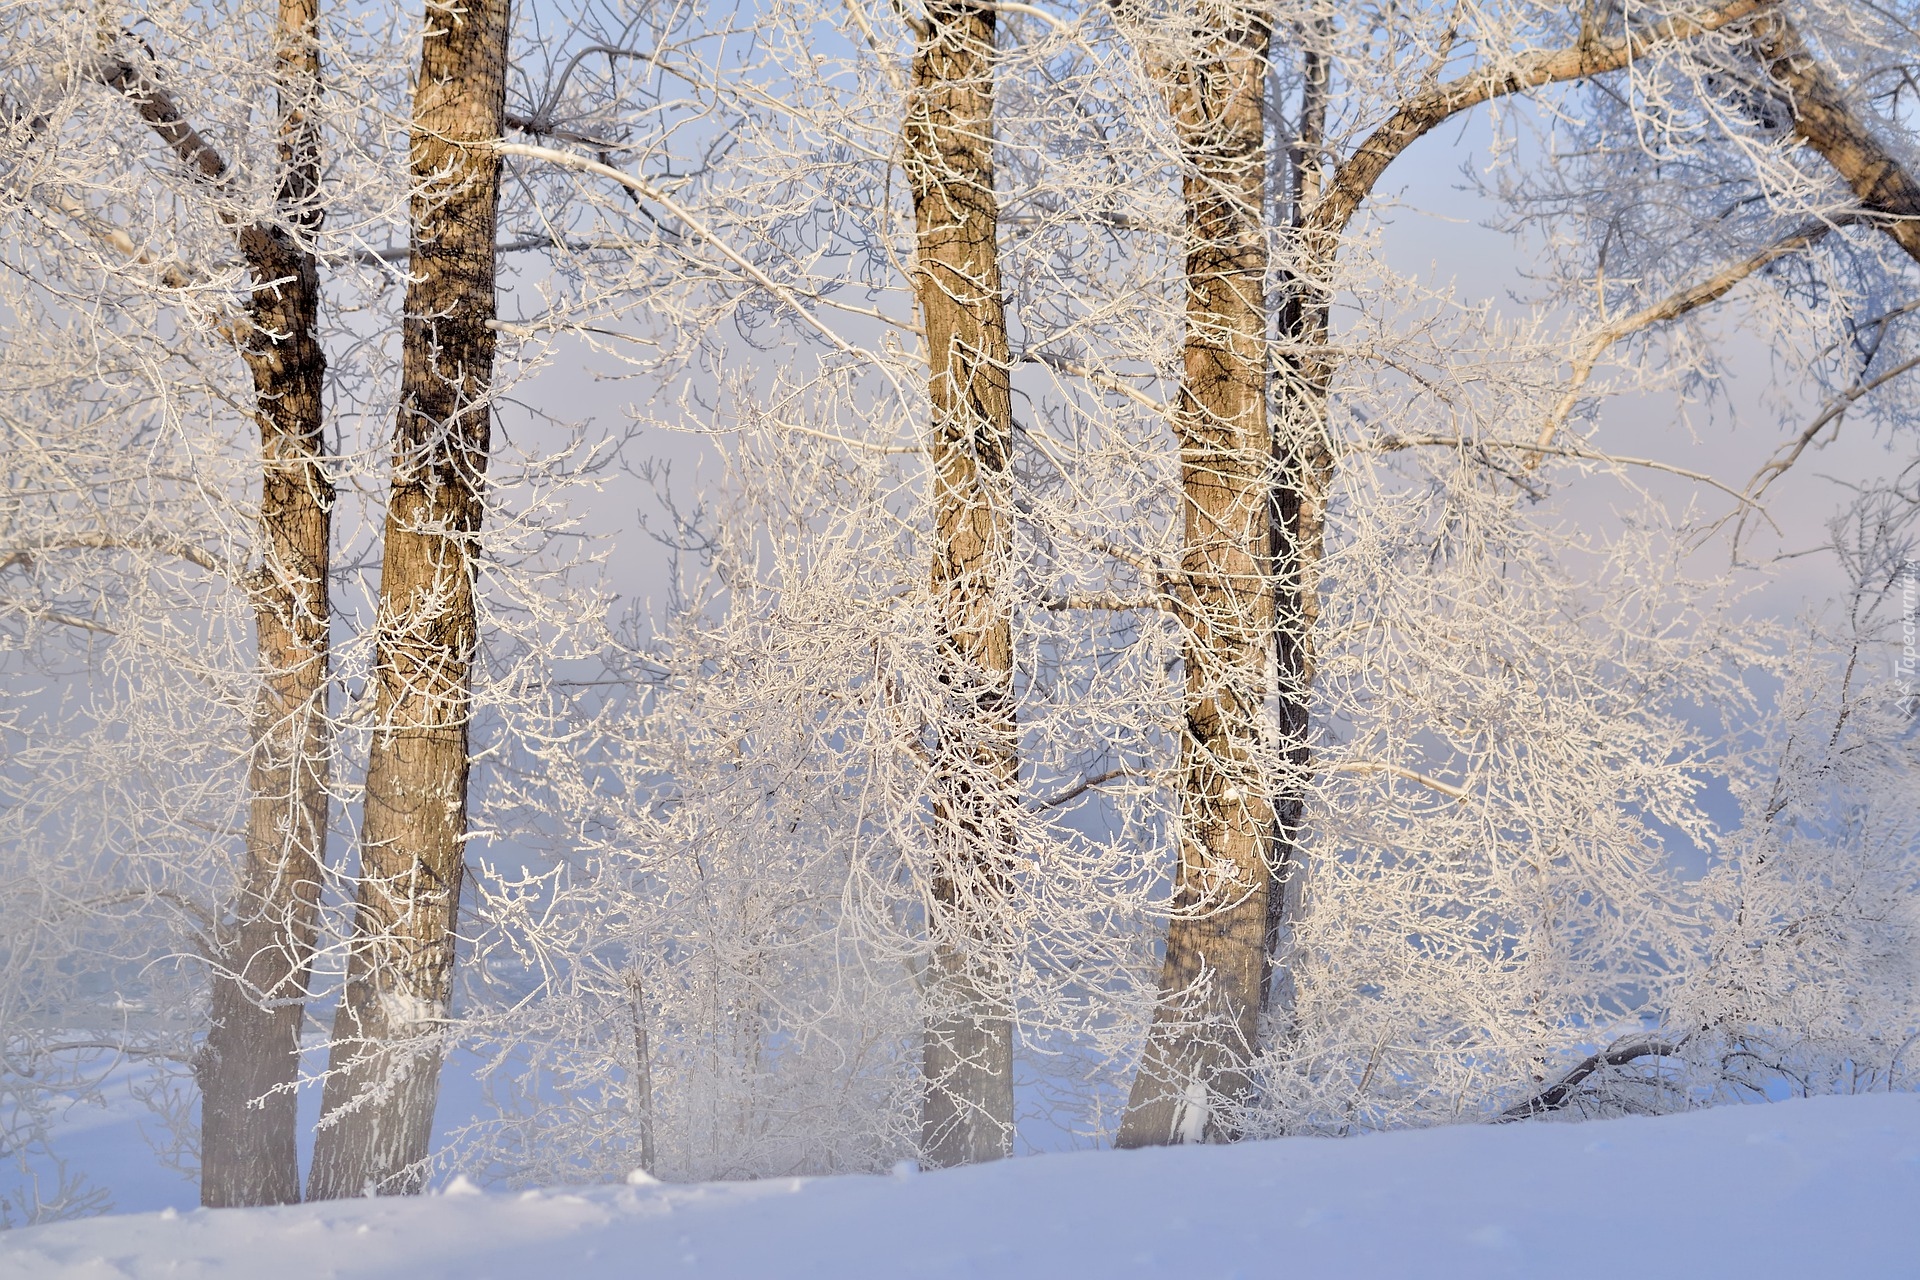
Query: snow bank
(1807,1188)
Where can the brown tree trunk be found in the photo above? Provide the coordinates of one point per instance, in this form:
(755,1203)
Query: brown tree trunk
(1213,978)
(250,1060)
(384,1072)
(967,1107)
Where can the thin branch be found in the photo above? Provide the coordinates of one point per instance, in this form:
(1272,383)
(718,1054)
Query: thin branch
(109,1046)
(645,189)
(1380,766)
(540,129)
(64,619)
(888,65)
(107,542)
(1789,453)
(173,274)
(886,449)
(1081,788)
(1692,298)
(1104,381)
(1391,443)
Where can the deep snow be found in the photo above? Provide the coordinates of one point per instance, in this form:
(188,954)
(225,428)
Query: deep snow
(1823,1187)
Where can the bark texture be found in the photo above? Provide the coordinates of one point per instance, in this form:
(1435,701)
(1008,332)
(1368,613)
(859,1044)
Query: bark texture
(967,1107)
(384,1072)
(1214,974)
(263,951)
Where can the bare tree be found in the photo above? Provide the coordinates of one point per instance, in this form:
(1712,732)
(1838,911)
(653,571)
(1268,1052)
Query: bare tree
(1222,927)
(251,1057)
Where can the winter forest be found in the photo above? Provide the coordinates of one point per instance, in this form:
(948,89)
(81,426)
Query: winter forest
(777,587)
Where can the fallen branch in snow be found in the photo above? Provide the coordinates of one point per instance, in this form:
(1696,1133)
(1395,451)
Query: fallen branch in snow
(1618,1054)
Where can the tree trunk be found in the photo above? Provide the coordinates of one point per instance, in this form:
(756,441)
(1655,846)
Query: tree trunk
(384,1071)
(250,1060)
(1302,464)
(1214,975)
(967,1107)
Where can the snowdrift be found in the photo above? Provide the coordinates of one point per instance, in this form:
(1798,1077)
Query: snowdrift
(1806,1188)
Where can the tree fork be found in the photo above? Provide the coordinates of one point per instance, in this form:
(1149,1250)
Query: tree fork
(1191,1053)
(384,1071)
(967,1104)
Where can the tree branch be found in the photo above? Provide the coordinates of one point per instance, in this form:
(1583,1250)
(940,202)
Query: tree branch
(1619,1054)
(542,129)
(157,107)
(111,1046)
(107,542)
(1354,180)
(1825,120)
(54,615)
(1106,604)
(1789,453)
(1081,788)
(641,187)
(1104,381)
(1391,443)
(1692,298)
(1377,766)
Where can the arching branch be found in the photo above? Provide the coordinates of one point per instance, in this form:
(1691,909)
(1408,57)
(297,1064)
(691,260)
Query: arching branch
(1789,453)
(1354,180)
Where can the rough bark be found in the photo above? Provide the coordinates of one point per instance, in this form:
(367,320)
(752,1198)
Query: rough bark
(1215,969)
(384,1072)
(967,1104)
(263,950)
(1826,120)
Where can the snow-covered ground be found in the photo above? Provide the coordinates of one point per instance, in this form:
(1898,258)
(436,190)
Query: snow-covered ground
(1826,1187)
